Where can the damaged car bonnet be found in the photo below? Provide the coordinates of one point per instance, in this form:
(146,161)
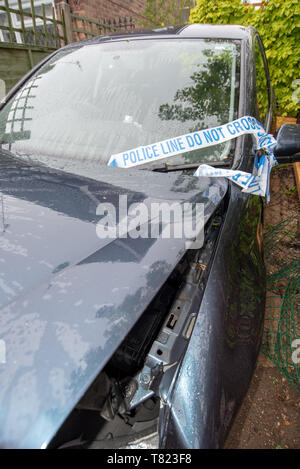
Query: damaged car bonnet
(67,306)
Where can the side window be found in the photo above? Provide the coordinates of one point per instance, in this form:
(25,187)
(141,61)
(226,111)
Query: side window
(262,85)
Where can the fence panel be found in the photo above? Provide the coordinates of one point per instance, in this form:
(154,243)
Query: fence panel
(15,62)
(27,35)
(34,27)
(85,28)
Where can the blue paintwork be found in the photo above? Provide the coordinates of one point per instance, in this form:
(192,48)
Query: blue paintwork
(67,297)
(222,352)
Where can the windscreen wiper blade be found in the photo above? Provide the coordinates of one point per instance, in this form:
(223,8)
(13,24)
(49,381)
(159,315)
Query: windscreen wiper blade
(178,167)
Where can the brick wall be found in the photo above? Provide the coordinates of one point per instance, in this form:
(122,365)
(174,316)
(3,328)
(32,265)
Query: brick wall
(107,9)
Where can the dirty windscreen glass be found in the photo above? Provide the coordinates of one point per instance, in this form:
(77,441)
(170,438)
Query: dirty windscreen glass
(87,103)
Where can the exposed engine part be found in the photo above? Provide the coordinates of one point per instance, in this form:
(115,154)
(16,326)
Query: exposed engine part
(167,350)
(125,399)
(95,397)
(114,403)
(108,396)
(131,354)
(87,429)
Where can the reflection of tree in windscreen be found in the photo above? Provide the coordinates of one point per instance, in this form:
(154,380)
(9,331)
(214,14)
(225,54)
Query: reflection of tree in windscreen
(208,96)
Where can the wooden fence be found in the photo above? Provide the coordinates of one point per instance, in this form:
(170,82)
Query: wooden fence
(21,47)
(50,32)
(84,28)
(26,37)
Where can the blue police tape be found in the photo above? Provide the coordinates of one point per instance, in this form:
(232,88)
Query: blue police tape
(255,183)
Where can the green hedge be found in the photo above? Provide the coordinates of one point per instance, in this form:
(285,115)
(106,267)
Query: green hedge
(159,13)
(278,23)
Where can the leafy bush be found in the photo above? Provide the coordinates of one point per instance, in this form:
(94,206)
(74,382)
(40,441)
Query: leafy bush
(218,12)
(278,25)
(163,12)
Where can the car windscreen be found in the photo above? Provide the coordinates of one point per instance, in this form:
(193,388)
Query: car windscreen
(91,101)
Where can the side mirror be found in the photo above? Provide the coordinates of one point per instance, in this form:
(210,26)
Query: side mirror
(287,149)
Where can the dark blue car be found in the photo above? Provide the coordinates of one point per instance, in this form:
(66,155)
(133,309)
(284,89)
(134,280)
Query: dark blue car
(130,341)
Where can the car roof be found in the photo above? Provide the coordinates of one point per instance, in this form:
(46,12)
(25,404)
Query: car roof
(214,31)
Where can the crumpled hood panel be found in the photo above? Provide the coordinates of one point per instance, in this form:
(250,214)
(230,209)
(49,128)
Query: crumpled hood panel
(67,297)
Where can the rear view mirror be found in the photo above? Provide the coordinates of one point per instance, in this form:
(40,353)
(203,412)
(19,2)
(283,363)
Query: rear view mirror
(287,149)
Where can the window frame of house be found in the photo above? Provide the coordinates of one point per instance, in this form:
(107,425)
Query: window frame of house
(28,23)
